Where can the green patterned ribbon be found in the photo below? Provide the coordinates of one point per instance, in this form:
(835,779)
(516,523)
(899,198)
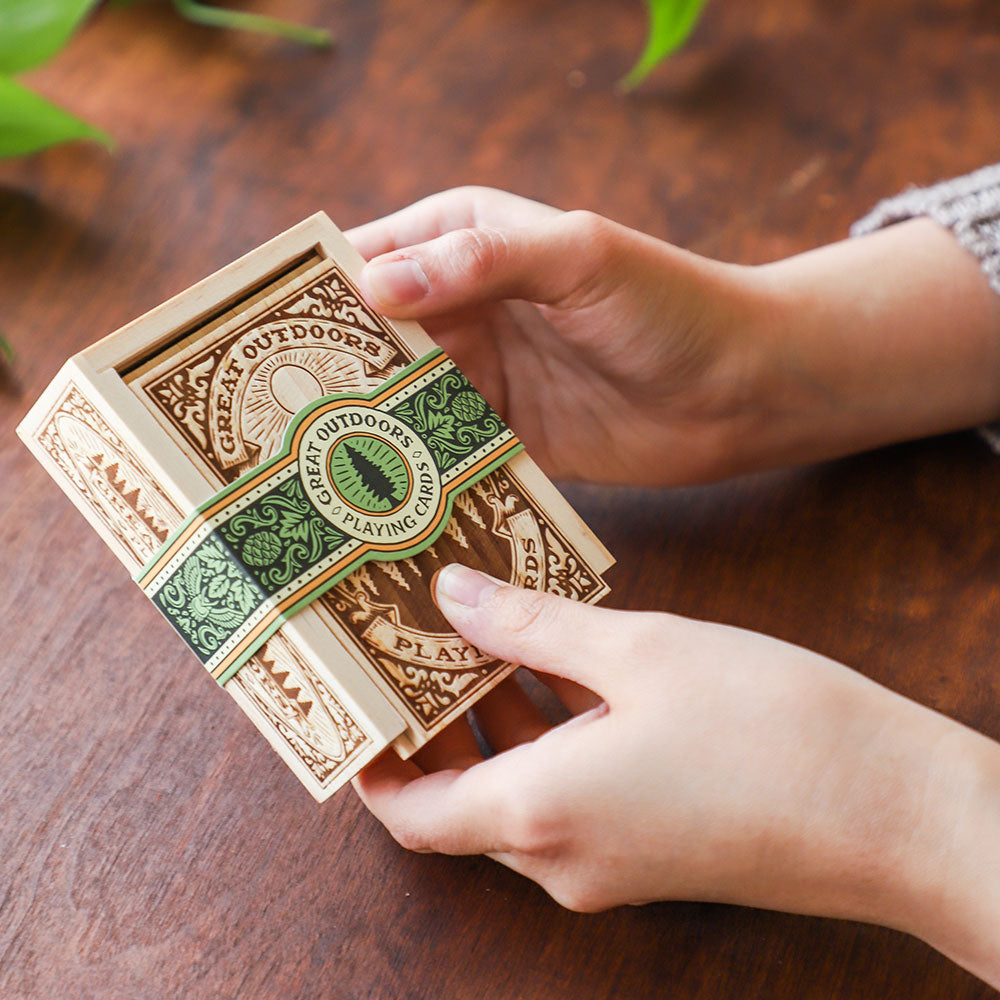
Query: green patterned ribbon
(357,478)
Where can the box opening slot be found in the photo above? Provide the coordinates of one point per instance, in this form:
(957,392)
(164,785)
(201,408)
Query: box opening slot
(253,293)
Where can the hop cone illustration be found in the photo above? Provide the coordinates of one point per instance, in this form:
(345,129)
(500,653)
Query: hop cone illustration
(468,406)
(262,548)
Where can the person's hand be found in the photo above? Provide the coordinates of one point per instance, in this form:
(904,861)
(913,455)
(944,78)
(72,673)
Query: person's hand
(619,358)
(717,765)
(615,357)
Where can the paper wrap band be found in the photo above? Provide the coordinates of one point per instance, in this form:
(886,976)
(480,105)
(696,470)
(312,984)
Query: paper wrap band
(357,478)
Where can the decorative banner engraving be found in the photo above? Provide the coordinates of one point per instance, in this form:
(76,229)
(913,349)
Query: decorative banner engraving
(107,475)
(249,376)
(357,478)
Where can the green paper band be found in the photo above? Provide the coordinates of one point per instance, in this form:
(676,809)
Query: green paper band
(357,478)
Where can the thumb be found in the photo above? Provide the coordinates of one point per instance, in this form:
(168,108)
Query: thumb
(527,627)
(554,261)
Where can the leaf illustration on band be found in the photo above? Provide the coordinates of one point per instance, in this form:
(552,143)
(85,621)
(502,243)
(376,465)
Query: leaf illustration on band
(293,525)
(451,417)
(208,597)
(280,536)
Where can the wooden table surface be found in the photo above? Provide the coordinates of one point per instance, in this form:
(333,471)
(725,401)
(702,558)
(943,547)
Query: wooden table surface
(151,845)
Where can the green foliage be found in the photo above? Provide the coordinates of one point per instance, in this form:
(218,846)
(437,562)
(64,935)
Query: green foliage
(29,122)
(670,24)
(221,17)
(32,31)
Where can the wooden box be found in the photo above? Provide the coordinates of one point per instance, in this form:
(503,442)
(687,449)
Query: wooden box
(153,421)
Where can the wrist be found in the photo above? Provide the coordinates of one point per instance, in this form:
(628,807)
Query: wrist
(738,403)
(896,824)
(883,338)
(911,834)
(951,877)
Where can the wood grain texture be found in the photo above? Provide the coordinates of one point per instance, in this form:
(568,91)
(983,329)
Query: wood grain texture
(131,863)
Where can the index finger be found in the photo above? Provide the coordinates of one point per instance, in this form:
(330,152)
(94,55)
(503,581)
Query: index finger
(457,208)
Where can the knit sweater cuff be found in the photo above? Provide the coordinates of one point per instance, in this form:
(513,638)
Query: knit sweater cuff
(970,207)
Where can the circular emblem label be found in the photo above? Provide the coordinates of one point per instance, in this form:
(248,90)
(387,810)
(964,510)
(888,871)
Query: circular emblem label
(369,475)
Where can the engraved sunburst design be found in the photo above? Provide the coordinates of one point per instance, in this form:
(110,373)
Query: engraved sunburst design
(289,379)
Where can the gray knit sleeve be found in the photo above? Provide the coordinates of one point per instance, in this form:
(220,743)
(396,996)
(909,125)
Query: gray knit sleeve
(970,207)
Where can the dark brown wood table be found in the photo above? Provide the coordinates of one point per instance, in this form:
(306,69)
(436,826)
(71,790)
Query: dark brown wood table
(151,845)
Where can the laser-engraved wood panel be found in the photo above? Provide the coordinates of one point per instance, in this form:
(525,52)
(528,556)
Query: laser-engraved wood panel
(228,394)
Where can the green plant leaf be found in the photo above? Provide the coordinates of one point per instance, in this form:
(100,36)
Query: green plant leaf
(32,31)
(670,25)
(6,351)
(29,122)
(222,17)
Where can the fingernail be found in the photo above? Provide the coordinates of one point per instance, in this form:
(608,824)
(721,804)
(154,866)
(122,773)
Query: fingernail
(397,282)
(464,586)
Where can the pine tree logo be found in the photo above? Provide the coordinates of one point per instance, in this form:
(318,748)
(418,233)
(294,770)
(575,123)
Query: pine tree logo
(369,474)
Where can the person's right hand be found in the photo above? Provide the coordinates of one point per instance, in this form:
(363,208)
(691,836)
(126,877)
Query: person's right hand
(616,357)
(619,358)
(717,765)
